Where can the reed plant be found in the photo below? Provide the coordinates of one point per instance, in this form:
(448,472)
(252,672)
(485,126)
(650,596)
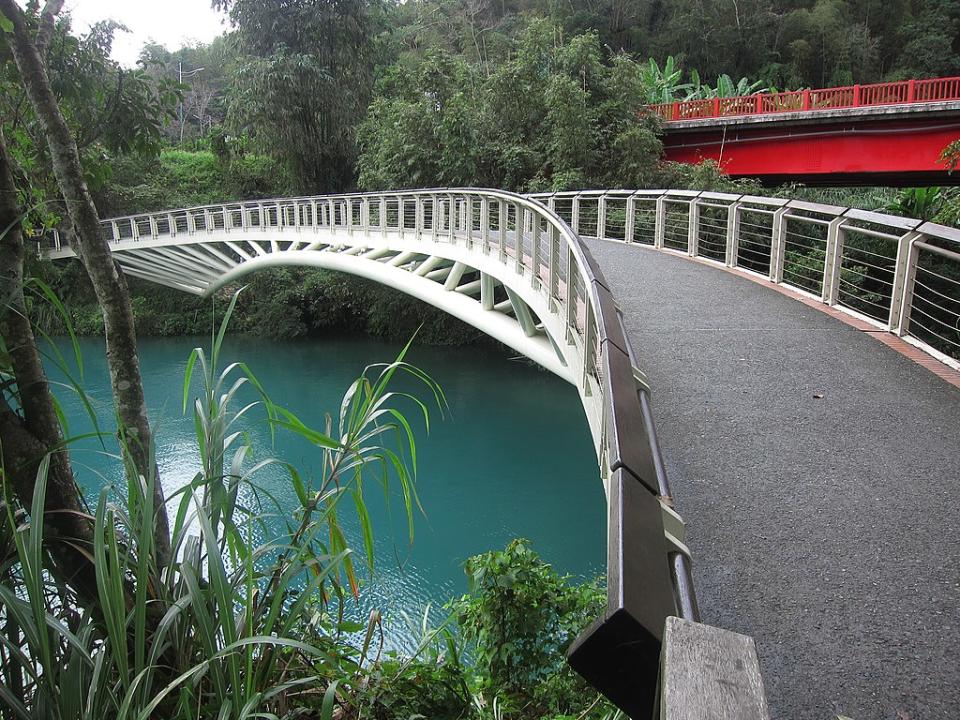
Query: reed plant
(245,621)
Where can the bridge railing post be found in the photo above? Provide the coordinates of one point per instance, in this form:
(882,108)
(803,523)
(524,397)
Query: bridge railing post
(660,222)
(732,248)
(485,224)
(554,266)
(778,244)
(451,217)
(833,262)
(905,270)
(535,246)
(502,227)
(631,222)
(569,299)
(575,214)
(519,216)
(693,228)
(602,216)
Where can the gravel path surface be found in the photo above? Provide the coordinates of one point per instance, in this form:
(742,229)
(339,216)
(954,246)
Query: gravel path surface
(818,472)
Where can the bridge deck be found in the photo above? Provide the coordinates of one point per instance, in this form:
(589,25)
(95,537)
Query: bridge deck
(826,527)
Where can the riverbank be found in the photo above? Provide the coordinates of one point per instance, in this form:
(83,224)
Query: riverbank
(277,304)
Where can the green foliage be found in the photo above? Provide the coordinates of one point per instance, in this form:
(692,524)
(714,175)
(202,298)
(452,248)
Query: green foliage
(319,53)
(556,113)
(924,203)
(522,616)
(231,628)
(181,178)
(110,110)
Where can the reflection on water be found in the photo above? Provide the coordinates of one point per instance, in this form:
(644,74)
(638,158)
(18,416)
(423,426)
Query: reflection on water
(511,458)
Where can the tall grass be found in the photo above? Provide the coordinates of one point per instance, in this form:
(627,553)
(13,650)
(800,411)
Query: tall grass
(234,627)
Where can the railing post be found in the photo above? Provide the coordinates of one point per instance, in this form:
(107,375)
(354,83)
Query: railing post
(805,101)
(436,216)
(778,244)
(833,262)
(589,338)
(521,216)
(732,249)
(554,265)
(172,222)
(503,230)
(716,107)
(759,105)
(451,218)
(575,214)
(631,223)
(569,299)
(693,228)
(856,96)
(552,203)
(485,223)
(154,228)
(535,244)
(660,223)
(904,274)
(602,216)
(115,231)
(911,91)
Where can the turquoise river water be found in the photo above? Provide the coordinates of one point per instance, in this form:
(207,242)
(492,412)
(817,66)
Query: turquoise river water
(511,458)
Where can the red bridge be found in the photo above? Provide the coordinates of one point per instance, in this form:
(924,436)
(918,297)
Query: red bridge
(882,134)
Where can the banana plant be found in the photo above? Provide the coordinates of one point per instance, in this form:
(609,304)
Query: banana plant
(663,85)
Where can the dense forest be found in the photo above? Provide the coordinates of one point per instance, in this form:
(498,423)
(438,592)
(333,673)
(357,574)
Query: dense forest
(312,96)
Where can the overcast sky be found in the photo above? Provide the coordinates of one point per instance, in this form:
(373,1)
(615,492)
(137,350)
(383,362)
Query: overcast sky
(172,23)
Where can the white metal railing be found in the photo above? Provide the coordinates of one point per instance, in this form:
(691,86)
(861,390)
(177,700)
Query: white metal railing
(536,242)
(898,274)
(529,239)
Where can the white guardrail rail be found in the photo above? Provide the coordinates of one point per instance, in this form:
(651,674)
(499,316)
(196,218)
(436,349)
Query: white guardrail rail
(897,274)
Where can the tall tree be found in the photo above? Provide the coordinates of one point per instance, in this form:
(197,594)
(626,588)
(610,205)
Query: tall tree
(304,81)
(108,282)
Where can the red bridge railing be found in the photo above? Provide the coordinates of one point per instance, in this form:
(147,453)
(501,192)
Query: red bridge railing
(852,96)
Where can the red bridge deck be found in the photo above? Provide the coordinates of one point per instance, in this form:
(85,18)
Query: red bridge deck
(883,134)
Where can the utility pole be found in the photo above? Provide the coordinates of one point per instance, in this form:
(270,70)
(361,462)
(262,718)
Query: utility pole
(189,74)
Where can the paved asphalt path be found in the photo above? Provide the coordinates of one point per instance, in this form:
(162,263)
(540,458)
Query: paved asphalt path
(826,528)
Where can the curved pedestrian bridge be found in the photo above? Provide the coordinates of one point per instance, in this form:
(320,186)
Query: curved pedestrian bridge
(817,468)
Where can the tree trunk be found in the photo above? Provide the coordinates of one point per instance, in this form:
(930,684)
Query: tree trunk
(108,283)
(26,440)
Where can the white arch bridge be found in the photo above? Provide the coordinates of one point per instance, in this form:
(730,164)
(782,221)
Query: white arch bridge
(516,268)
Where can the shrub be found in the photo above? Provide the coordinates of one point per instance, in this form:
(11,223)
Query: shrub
(521,616)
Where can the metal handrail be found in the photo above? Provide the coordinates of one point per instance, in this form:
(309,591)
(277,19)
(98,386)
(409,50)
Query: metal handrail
(897,274)
(905,92)
(649,575)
